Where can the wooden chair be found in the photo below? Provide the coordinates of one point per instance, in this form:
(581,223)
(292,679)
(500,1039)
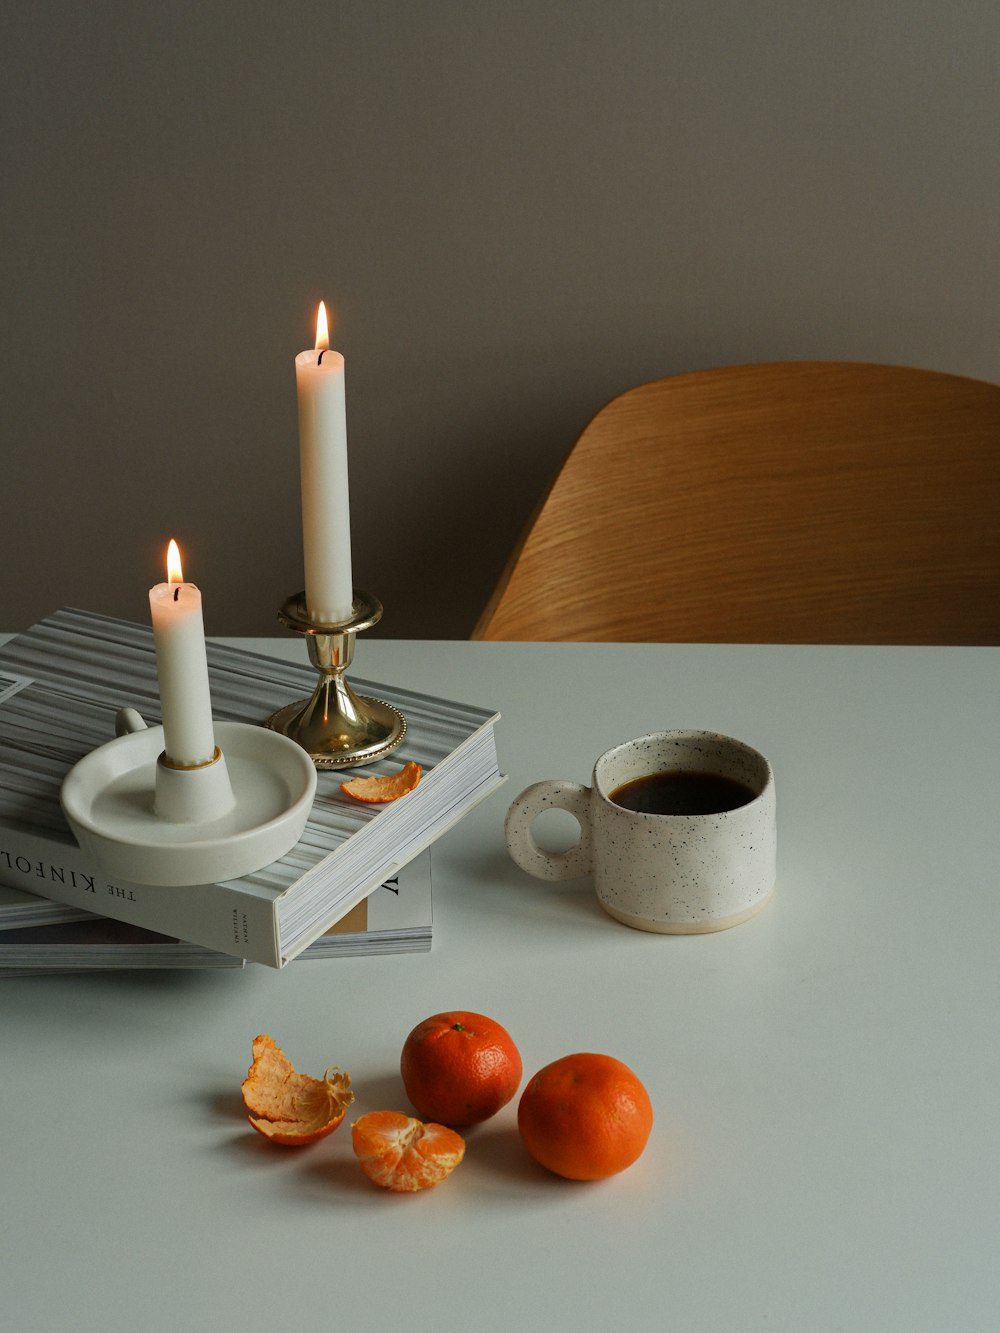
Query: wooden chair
(798,502)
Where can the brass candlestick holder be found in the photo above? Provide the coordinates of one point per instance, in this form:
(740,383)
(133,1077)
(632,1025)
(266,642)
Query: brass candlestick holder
(336,727)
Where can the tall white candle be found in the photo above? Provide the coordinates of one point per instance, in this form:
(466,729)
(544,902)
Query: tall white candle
(326,511)
(182,668)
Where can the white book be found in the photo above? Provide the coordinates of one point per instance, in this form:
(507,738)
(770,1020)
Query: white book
(61,686)
(396,918)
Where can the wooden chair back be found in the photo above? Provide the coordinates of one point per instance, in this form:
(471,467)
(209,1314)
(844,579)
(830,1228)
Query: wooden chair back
(798,502)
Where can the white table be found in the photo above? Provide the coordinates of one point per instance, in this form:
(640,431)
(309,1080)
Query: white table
(825,1077)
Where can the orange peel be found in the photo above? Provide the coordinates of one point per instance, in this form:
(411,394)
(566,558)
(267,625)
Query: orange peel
(291,1108)
(382,789)
(403,1154)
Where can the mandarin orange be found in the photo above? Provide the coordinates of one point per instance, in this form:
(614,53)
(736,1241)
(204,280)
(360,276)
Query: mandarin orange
(399,1153)
(292,1108)
(585,1116)
(459,1068)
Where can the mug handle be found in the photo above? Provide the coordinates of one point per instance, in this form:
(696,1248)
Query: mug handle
(552,794)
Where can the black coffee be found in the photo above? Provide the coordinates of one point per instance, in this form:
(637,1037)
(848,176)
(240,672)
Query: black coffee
(678,792)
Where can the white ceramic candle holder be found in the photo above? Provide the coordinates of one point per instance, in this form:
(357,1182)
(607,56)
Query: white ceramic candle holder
(199,794)
(149,822)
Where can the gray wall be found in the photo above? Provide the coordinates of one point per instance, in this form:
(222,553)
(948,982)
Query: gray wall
(515,210)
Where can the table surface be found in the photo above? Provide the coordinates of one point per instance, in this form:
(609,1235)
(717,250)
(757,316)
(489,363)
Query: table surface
(825,1077)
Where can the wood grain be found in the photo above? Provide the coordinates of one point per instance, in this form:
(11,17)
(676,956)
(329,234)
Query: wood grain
(798,502)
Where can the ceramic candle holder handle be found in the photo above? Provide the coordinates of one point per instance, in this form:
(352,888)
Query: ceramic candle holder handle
(128,721)
(553,794)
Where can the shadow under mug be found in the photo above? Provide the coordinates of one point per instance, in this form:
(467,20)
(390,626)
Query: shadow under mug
(673,874)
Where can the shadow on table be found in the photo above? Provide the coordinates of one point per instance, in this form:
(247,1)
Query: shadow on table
(501,887)
(495,1152)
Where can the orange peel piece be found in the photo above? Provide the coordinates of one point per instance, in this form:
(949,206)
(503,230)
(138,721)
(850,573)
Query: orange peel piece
(403,1154)
(381,789)
(291,1108)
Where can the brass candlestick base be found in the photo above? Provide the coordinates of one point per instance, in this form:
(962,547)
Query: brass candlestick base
(337,728)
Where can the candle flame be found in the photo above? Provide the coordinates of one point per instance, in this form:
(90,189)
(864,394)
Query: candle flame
(322,328)
(174,572)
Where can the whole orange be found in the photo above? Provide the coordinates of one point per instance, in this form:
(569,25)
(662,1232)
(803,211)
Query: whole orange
(585,1116)
(459,1068)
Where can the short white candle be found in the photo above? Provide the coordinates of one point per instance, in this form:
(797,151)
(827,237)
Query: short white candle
(326,509)
(182,668)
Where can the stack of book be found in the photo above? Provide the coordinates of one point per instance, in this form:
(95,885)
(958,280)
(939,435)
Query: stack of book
(38,936)
(62,684)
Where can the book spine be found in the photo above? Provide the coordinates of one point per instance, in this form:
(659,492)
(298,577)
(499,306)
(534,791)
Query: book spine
(215,916)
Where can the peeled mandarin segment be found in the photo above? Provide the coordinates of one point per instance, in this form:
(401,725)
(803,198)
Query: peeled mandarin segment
(402,1154)
(292,1108)
(381,789)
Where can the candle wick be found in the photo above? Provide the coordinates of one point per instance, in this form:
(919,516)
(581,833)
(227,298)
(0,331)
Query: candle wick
(177,593)
(319,359)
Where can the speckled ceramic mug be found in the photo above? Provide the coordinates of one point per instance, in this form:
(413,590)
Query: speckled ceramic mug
(677,874)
